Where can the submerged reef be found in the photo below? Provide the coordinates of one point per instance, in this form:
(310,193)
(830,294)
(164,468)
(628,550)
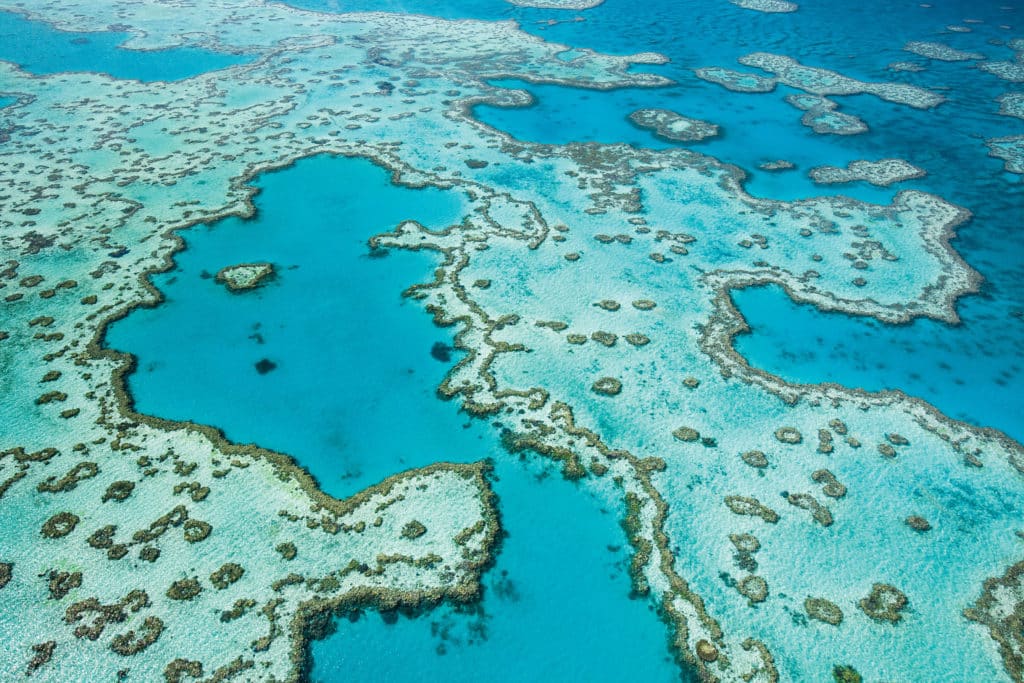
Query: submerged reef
(1012,71)
(737,81)
(1010,150)
(776,165)
(770,6)
(672,126)
(912,67)
(820,113)
(694,446)
(941,52)
(882,173)
(818,81)
(822,117)
(1012,104)
(557,4)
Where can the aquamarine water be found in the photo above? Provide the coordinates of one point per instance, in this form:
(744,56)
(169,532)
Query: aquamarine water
(807,346)
(555,605)
(41,49)
(352,393)
(328,363)
(352,398)
(947,142)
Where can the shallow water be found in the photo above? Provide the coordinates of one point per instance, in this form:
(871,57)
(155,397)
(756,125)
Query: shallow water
(555,605)
(352,394)
(805,345)
(352,398)
(41,49)
(328,363)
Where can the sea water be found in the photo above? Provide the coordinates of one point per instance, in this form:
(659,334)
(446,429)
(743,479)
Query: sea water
(947,142)
(352,392)
(198,351)
(970,371)
(42,49)
(352,398)
(555,605)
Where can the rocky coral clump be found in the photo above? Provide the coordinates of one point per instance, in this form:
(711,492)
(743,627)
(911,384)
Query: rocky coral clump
(789,435)
(60,525)
(686,434)
(229,573)
(413,530)
(884,604)
(607,386)
(750,506)
(184,589)
(755,459)
(823,610)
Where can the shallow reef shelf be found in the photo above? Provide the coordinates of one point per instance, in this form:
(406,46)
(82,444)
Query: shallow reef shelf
(781,531)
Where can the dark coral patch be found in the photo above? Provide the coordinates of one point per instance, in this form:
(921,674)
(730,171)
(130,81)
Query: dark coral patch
(441,351)
(265,365)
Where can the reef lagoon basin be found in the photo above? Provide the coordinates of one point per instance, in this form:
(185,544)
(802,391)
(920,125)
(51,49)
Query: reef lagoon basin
(514,340)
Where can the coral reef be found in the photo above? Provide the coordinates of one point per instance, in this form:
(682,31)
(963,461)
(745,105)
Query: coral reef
(882,173)
(672,126)
(770,6)
(313,554)
(245,276)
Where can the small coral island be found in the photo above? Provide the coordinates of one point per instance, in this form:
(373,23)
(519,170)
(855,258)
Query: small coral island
(245,276)
(882,173)
(673,126)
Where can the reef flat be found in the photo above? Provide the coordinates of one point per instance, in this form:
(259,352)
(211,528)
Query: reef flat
(817,81)
(770,6)
(1008,70)
(673,126)
(557,4)
(602,340)
(822,116)
(1012,104)
(736,81)
(883,173)
(1010,149)
(941,52)
(820,113)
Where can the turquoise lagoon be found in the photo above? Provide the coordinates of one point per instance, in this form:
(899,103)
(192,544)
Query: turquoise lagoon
(352,394)
(352,398)
(555,605)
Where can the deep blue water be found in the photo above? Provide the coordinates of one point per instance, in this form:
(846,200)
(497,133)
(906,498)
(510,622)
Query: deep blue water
(554,607)
(956,364)
(811,345)
(350,358)
(41,49)
(352,397)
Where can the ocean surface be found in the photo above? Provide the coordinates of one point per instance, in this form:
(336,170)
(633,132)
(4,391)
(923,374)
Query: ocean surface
(859,42)
(971,371)
(40,49)
(352,397)
(329,363)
